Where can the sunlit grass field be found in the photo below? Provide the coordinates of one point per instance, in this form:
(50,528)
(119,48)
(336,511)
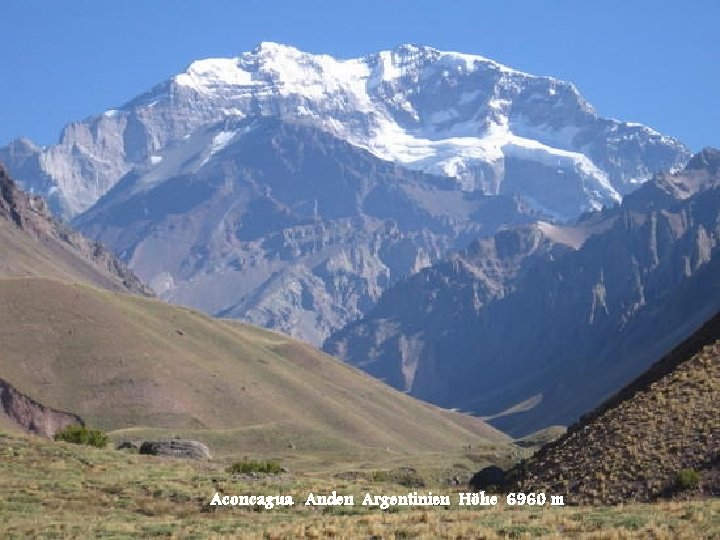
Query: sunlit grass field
(58,490)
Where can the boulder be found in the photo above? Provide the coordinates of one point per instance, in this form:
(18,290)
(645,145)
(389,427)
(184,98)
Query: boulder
(181,448)
(127,445)
(486,478)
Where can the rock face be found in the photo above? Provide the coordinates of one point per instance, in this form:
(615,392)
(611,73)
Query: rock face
(127,445)
(489,127)
(286,226)
(634,445)
(31,415)
(55,244)
(180,448)
(540,323)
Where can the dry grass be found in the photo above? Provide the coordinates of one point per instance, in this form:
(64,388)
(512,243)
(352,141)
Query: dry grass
(58,490)
(25,254)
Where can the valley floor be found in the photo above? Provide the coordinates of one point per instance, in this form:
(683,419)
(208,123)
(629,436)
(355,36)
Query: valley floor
(58,490)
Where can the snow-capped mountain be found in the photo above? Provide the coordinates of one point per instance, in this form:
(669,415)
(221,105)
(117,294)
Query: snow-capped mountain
(491,128)
(291,190)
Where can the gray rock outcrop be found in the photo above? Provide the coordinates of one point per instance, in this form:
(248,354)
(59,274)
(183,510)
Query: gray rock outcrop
(180,448)
(491,477)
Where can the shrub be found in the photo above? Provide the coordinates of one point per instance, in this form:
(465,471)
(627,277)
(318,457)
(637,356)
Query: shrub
(82,435)
(268,467)
(687,479)
(404,476)
(379,476)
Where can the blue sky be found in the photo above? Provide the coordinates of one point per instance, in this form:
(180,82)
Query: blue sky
(655,62)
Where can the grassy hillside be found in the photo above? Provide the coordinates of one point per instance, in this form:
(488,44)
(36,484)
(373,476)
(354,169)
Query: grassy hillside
(24,255)
(59,490)
(122,361)
(635,445)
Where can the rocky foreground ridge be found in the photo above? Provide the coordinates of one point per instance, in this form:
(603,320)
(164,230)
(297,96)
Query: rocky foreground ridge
(635,445)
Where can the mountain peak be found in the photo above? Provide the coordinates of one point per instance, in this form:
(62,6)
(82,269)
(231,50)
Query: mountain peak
(272,49)
(272,46)
(460,115)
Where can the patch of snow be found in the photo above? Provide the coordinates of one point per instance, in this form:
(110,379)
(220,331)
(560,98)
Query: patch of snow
(201,144)
(234,112)
(559,138)
(554,157)
(214,73)
(387,67)
(221,140)
(645,128)
(498,104)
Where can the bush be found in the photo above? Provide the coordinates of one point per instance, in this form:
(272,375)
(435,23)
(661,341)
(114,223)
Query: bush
(82,435)
(268,467)
(687,479)
(404,476)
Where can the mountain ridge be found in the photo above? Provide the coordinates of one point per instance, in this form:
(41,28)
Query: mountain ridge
(465,116)
(125,362)
(284,225)
(497,339)
(77,348)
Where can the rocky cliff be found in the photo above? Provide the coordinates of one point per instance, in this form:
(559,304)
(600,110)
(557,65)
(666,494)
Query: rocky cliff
(32,416)
(37,244)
